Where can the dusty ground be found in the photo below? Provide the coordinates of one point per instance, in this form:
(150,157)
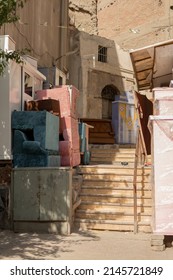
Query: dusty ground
(97,245)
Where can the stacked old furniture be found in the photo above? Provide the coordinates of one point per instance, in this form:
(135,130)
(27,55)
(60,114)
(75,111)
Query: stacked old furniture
(35,139)
(69,135)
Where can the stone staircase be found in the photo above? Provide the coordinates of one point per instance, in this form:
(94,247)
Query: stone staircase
(112,154)
(106,195)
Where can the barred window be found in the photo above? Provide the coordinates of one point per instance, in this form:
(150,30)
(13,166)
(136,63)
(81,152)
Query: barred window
(102,54)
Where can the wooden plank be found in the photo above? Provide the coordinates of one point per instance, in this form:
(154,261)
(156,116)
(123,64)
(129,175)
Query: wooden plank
(141,55)
(142,67)
(94,140)
(143,75)
(101,134)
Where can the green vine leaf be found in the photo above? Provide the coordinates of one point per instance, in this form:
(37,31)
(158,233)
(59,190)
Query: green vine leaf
(5,57)
(8,14)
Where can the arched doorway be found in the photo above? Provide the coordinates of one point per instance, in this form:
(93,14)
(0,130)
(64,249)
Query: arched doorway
(108,96)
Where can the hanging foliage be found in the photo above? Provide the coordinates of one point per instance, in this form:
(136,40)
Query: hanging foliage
(5,57)
(8,10)
(8,14)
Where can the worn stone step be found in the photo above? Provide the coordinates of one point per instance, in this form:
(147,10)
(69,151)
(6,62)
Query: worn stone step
(112,146)
(116,177)
(123,184)
(111,160)
(111,169)
(101,215)
(108,225)
(115,207)
(100,139)
(112,151)
(114,192)
(112,154)
(111,199)
(120,162)
(107,201)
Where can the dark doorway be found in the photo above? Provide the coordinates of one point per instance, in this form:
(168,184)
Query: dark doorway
(108,96)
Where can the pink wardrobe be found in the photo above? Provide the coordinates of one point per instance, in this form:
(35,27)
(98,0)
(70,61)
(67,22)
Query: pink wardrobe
(69,134)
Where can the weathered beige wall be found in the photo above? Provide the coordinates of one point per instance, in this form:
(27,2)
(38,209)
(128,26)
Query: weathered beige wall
(83,15)
(91,76)
(152,21)
(131,25)
(43,28)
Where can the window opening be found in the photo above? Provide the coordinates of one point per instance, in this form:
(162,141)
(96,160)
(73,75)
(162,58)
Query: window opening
(102,54)
(60,81)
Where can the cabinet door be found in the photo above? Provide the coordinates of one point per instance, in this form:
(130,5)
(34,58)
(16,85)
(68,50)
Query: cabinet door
(54,186)
(26,195)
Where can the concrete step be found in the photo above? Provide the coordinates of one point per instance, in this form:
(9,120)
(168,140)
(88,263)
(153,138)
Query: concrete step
(112,170)
(100,139)
(111,225)
(107,201)
(122,208)
(123,184)
(125,152)
(106,195)
(111,160)
(113,155)
(114,192)
(105,215)
(114,199)
(117,177)
(112,146)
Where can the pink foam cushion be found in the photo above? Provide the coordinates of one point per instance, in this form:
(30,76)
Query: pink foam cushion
(67,96)
(65,148)
(70,131)
(72,159)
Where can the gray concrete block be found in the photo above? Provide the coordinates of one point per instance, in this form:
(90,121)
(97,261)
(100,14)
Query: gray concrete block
(157,237)
(158,248)
(157,242)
